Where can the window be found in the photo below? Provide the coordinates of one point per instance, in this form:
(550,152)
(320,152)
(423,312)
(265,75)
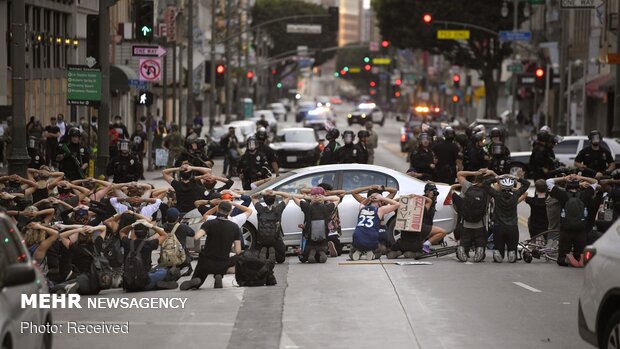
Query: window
(356,179)
(308,181)
(566,147)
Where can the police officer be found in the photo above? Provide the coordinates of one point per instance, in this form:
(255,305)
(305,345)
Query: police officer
(194,154)
(253,165)
(125,166)
(328,155)
(542,160)
(263,147)
(497,153)
(348,153)
(449,157)
(72,157)
(362,146)
(36,159)
(423,160)
(595,160)
(475,152)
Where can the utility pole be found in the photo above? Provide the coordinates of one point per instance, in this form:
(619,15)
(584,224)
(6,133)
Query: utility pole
(103,119)
(212,88)
(228,63)
(563,111)
(515,27)
(189,121)
(18,159)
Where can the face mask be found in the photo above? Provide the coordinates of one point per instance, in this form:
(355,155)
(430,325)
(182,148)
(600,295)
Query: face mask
(596,140)
(118,122)
(269,199)
(348,139)
(251,145)
(124,146)
(186,176)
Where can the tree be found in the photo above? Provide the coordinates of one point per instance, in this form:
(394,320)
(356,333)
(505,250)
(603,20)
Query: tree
(285,43)
(401,23)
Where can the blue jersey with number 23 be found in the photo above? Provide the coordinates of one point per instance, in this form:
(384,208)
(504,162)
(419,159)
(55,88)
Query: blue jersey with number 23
(366,233)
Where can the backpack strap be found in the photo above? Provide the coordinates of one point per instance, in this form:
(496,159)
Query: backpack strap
(140,246)
(174,230)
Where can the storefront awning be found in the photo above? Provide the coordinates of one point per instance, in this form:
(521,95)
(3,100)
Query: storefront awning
(595,87)
(119,78)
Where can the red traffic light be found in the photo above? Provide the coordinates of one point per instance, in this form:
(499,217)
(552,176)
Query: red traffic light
(373,84)
(456,78)
(343,72)
(540,72)
(397,94)
(398,82)
(367,67)
(250,74)
(220,69)
(455,99)
(427,18)
(385,44)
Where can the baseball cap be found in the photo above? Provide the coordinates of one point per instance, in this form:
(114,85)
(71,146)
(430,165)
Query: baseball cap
(172,213)
(227,197)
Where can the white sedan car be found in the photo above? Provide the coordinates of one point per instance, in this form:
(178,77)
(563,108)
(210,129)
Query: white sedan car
(346,178)
(599,301)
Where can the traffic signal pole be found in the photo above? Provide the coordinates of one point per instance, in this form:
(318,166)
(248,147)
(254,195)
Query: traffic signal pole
(103,119)
(189,121)
(212,88)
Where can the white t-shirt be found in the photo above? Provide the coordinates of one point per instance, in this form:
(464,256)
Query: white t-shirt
(239,219)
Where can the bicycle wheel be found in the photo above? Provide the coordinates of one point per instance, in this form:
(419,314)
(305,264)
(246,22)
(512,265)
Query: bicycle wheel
(440,252)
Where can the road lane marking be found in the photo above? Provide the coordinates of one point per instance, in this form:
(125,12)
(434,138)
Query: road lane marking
(527,287)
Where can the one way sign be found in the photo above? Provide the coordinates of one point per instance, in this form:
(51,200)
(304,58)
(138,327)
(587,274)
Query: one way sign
(581,4)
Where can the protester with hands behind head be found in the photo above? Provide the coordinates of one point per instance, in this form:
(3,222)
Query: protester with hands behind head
(187,189)
(269,216)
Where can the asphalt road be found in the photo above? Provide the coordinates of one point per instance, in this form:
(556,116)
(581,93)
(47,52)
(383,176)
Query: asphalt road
(444,305)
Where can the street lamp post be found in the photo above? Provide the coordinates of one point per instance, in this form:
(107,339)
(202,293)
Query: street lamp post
(515,27)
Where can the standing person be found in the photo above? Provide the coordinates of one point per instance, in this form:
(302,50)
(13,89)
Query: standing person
(594,159)
(120,127)
(215,256)
(362,146)
(253,165)
(542,160)
(506,201)
(60,121)
(538,222)
(328,155)
(125,167)
(573,222)
(73,157)
(174,143)
(263,147)
(348,153)
(497,153)
(449,157)
(51,134)
(373,142)
(475,152)
(423,160)
(139,144)
(269,215)
(230,145)
(159,135)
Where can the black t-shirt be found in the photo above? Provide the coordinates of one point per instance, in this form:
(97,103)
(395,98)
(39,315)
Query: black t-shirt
(138,139)
(447,153)
(182,232)
(146,252)
(53,141)
(221,234)
(597,160)
(81,259)
(538,212)
(187,193)
(315,211)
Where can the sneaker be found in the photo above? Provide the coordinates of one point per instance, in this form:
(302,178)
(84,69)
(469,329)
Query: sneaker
(394,254)
(332,249)
(167,285)
(272,254)
(370,255)
(460,254)
(69,289)
(512,256)
(218,281)
(409,254)
(479,255)
(262,255)
(312,256)
(322,257)
(497,257)
(426,248)
(570,259)
(356,255)
(190,284)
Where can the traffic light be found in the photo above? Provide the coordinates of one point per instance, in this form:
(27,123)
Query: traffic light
(334,18)
(144,20)
(336,74)
(92,36)
(455,99)
(346,68)
(427,18)
(279,85)
(220,73)
(367,67)
(144,98)
(397,94)
(456,80)
(250,74)
(385,44)
(398,82)
(366,59)
(540,73)
(220,69)
(373,84)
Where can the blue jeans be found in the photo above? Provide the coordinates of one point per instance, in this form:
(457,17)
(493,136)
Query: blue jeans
(156,275)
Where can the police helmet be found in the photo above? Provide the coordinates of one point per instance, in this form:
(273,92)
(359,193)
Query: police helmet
(332,134)
(261,135)
(424,136)
(448,133)
(348,134)
(593,135)
(479,136)
(543,136)
(251,143)
(479,128)
(496,132)
(363,134)
(74,132)
(201,142)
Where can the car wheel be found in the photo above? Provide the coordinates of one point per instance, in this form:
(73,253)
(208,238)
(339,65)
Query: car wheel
(611,339)
(249,235)
(6,343)
(392,235)
(47,337)
(514,169)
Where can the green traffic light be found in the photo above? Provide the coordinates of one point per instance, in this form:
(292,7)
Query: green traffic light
(346,69)
(146,30)
(366,59)
(279,85)
(336,74)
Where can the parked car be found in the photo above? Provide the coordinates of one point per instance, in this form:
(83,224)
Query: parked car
(296,147)
(19,276)
(279,111)
(366,112)
(269,116)
(243,130)
(346,178)
(565,152)
(599,301)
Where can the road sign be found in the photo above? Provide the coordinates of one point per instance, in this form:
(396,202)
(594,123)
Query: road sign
(381,61)
(147,51)
(137,84)
(144,98)
(515,36)
(453,34)
(373,46)
(303,28)
(580,4)
(515,68)
(171,23)
(527,79)
(150,69)
(613,58)
(83,85)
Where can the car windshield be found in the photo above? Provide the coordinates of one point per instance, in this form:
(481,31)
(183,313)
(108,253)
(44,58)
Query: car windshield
(270,183)
(298,136)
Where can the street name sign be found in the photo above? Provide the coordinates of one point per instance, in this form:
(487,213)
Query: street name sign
(381,61)
(138,84)
(580,4)
(453,34)
(83,85)
(303,28)
(515,68)
(147,51)
(515,36)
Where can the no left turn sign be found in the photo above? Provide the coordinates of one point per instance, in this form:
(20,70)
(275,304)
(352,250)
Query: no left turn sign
(150,69)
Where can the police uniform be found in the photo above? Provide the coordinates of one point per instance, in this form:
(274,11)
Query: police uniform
(347,154)
(124,168)
(328,155)
(72,161)
(362,155)
(447,153)
(595,160)
(269,153)
(251,166)
(421,161)
(499,155)
(542,158)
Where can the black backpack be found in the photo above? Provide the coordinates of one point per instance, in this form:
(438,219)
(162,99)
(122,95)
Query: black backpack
(573,216)
(135,277)
(113,251)
(268,226)
(252,271)
(100,271)
(474,204)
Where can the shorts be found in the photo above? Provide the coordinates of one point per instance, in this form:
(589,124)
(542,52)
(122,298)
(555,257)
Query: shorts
(426,230)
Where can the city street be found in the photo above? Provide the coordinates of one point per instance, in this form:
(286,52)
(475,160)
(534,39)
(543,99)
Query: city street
(443,305)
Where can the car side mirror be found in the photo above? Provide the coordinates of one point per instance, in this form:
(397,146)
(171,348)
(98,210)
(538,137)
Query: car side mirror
(18,274)
(398,118)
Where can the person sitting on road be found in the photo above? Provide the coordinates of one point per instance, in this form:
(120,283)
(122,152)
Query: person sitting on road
(366,236)
(269,216)
(187,189)
(334,246)
(215,256)
(383,238)
(432,234)
(39,238)
(182,231)
(538,221)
